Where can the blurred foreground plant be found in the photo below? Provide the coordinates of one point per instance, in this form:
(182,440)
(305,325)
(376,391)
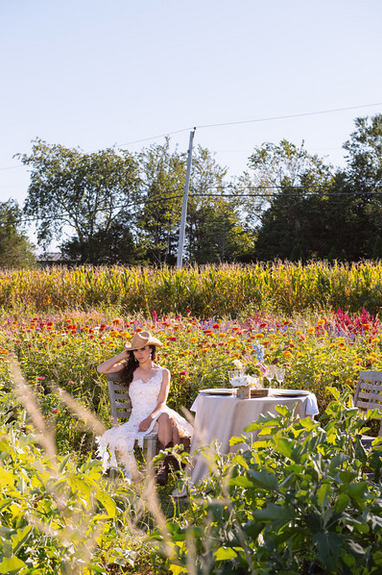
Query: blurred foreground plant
(303,498)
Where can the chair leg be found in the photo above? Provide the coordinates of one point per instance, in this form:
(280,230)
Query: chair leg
(150,448)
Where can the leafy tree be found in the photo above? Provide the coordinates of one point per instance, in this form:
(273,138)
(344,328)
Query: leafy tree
(86,193)
(213,228)
(295,185)
(364,155)
(215,231)
(16,251)
(115,246)
(162,177)
(272,167)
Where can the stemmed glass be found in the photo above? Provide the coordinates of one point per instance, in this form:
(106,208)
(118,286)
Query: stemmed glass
(270,373)
(279,374)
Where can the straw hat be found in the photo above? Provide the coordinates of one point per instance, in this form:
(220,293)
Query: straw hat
(141,339)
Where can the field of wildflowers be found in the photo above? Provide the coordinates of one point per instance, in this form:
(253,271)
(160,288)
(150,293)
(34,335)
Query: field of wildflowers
(60,324)
(64,349)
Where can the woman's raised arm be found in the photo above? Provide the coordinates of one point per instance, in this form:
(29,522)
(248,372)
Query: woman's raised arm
(114,364)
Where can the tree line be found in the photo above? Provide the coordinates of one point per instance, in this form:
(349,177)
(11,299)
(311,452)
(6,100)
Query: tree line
(113,206)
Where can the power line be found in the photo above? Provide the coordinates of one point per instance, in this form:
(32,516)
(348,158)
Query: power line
(267,119)
(252,194)
(285,117)
(238,122)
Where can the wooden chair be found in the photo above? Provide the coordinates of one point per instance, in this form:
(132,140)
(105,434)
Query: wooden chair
(120,408)
(368,395)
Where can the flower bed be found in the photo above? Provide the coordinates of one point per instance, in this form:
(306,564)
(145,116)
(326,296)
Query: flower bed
(64,349)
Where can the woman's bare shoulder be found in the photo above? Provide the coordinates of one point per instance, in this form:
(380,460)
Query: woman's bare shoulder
(164,370)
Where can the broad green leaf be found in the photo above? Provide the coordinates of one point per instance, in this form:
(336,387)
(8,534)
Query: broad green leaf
(323,493)
(10,565)
(177,569)
(241,481)
(20,538)
(284,446)
(329,547)
(342,502)
(7,478)
(263,479)
(225,554)
(277,515)
(358,491)
(107,503)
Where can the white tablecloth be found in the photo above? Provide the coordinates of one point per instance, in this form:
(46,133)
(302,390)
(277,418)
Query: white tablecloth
(220,417)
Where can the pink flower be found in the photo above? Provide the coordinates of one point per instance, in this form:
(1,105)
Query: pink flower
(55,410)
(40,378)
(71,382)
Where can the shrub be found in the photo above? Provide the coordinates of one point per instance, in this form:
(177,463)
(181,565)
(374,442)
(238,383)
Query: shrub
(298,500)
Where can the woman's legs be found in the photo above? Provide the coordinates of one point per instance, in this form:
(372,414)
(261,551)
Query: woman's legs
(165,429)
(168,435)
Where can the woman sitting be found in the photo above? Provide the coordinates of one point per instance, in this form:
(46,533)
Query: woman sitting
(148,385)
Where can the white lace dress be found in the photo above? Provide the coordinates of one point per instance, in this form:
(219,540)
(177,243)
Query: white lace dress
(120,440)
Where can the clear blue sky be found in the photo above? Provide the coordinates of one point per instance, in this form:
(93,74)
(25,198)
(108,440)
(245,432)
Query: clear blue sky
(98,73)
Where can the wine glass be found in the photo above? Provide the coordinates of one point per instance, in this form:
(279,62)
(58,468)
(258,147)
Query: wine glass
(279,374)
(270,373)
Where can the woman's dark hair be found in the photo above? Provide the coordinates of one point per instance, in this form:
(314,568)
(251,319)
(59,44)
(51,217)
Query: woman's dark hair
(132,364)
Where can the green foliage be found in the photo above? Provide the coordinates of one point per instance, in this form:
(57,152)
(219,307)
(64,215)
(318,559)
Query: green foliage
(16,250)
(57,517)
(302,498)
(206,291)
(126,208)
(86,192)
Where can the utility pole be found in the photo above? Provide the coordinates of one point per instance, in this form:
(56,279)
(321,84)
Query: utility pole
(185,199)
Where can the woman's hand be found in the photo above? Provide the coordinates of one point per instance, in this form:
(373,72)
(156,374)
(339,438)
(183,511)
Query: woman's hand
(145,424)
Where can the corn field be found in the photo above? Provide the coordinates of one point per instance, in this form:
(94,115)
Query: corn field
(225,290)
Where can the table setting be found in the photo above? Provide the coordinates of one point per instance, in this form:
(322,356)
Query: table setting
(222,413)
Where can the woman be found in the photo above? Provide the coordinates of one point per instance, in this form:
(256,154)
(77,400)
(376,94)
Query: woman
(149,385)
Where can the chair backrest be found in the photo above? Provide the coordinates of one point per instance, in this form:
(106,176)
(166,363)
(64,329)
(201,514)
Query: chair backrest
(120,403)
(368,393)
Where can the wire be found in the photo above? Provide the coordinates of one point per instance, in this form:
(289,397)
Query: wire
(162,199)
(268,119)
(271,118)
(256,120)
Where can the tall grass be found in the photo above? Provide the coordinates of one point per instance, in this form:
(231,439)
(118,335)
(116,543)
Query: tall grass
(225,290)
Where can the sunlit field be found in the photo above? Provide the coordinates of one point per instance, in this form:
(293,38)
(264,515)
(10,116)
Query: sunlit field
(321,322)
